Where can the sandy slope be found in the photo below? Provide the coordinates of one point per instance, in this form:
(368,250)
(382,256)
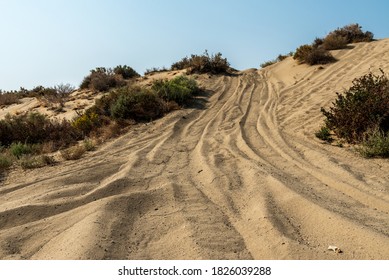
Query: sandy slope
(239,176)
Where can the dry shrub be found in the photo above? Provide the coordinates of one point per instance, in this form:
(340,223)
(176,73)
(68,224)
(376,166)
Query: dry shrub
(5,161)
(376,144)
(73,153)
(353,33)
(312,55)
(317,52)
(109,131)
(204,63)
(8,98)
(102,79)
(32,162)
(362,108)
(279,58)
(179,89)
(334,42)
(35,128)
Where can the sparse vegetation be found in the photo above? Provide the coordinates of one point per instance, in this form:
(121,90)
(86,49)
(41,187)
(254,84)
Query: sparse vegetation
(334,42)
(32,162)
(126,72)
(375,145)
(19,149)
(86,122)
(35,128)
(137,103)
(311,55)
(73,153)
(279,58)
(318,51)
(102,79)
(180,89)
(204,63)
(361,114)
(324,134)
(5,162)
(155,70)
(353,33)
(8,98)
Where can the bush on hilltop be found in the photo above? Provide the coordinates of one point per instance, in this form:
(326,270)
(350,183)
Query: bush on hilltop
(204,63)
(318,51)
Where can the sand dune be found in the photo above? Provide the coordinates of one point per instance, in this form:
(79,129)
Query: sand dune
(241,176)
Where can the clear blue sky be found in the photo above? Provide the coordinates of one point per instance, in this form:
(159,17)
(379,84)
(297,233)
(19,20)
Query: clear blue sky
(47,42)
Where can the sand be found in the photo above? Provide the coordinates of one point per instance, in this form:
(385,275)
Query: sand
(238,176)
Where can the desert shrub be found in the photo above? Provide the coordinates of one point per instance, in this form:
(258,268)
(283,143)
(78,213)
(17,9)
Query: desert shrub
(313,55)
(279,58)
(31,162)
(334,42)
(86,122)
(375,144)
(102,79)
(136,103)
(155,70)
(109,130)
(40,91)
(363,107)
(302,52)
(5,162)
(180,89)
(317,42)
(317,52)
(8,98)
(353,33)
(204,63)
(63,90)
(19,149)
(57,94)
(33,128)
(125,71)
(268,63)
(89,145)
(73,153)
(324,134)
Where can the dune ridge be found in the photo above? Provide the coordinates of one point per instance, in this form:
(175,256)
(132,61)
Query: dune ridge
(242,178)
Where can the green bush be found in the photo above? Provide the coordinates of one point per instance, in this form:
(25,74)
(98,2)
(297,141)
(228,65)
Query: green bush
(313,55)
(35,128)
(363,107)
(102,79)
(8,98)
(5,162)
(136,103)
(353,33)
(317,52)
(73,153)
(376,144)
(126,72)
(334,42)
(31,162)
(205,63)
(86,122)
(19,149)
(324,134)
(180,89)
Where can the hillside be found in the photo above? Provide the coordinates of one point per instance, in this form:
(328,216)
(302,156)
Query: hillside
(240,176)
